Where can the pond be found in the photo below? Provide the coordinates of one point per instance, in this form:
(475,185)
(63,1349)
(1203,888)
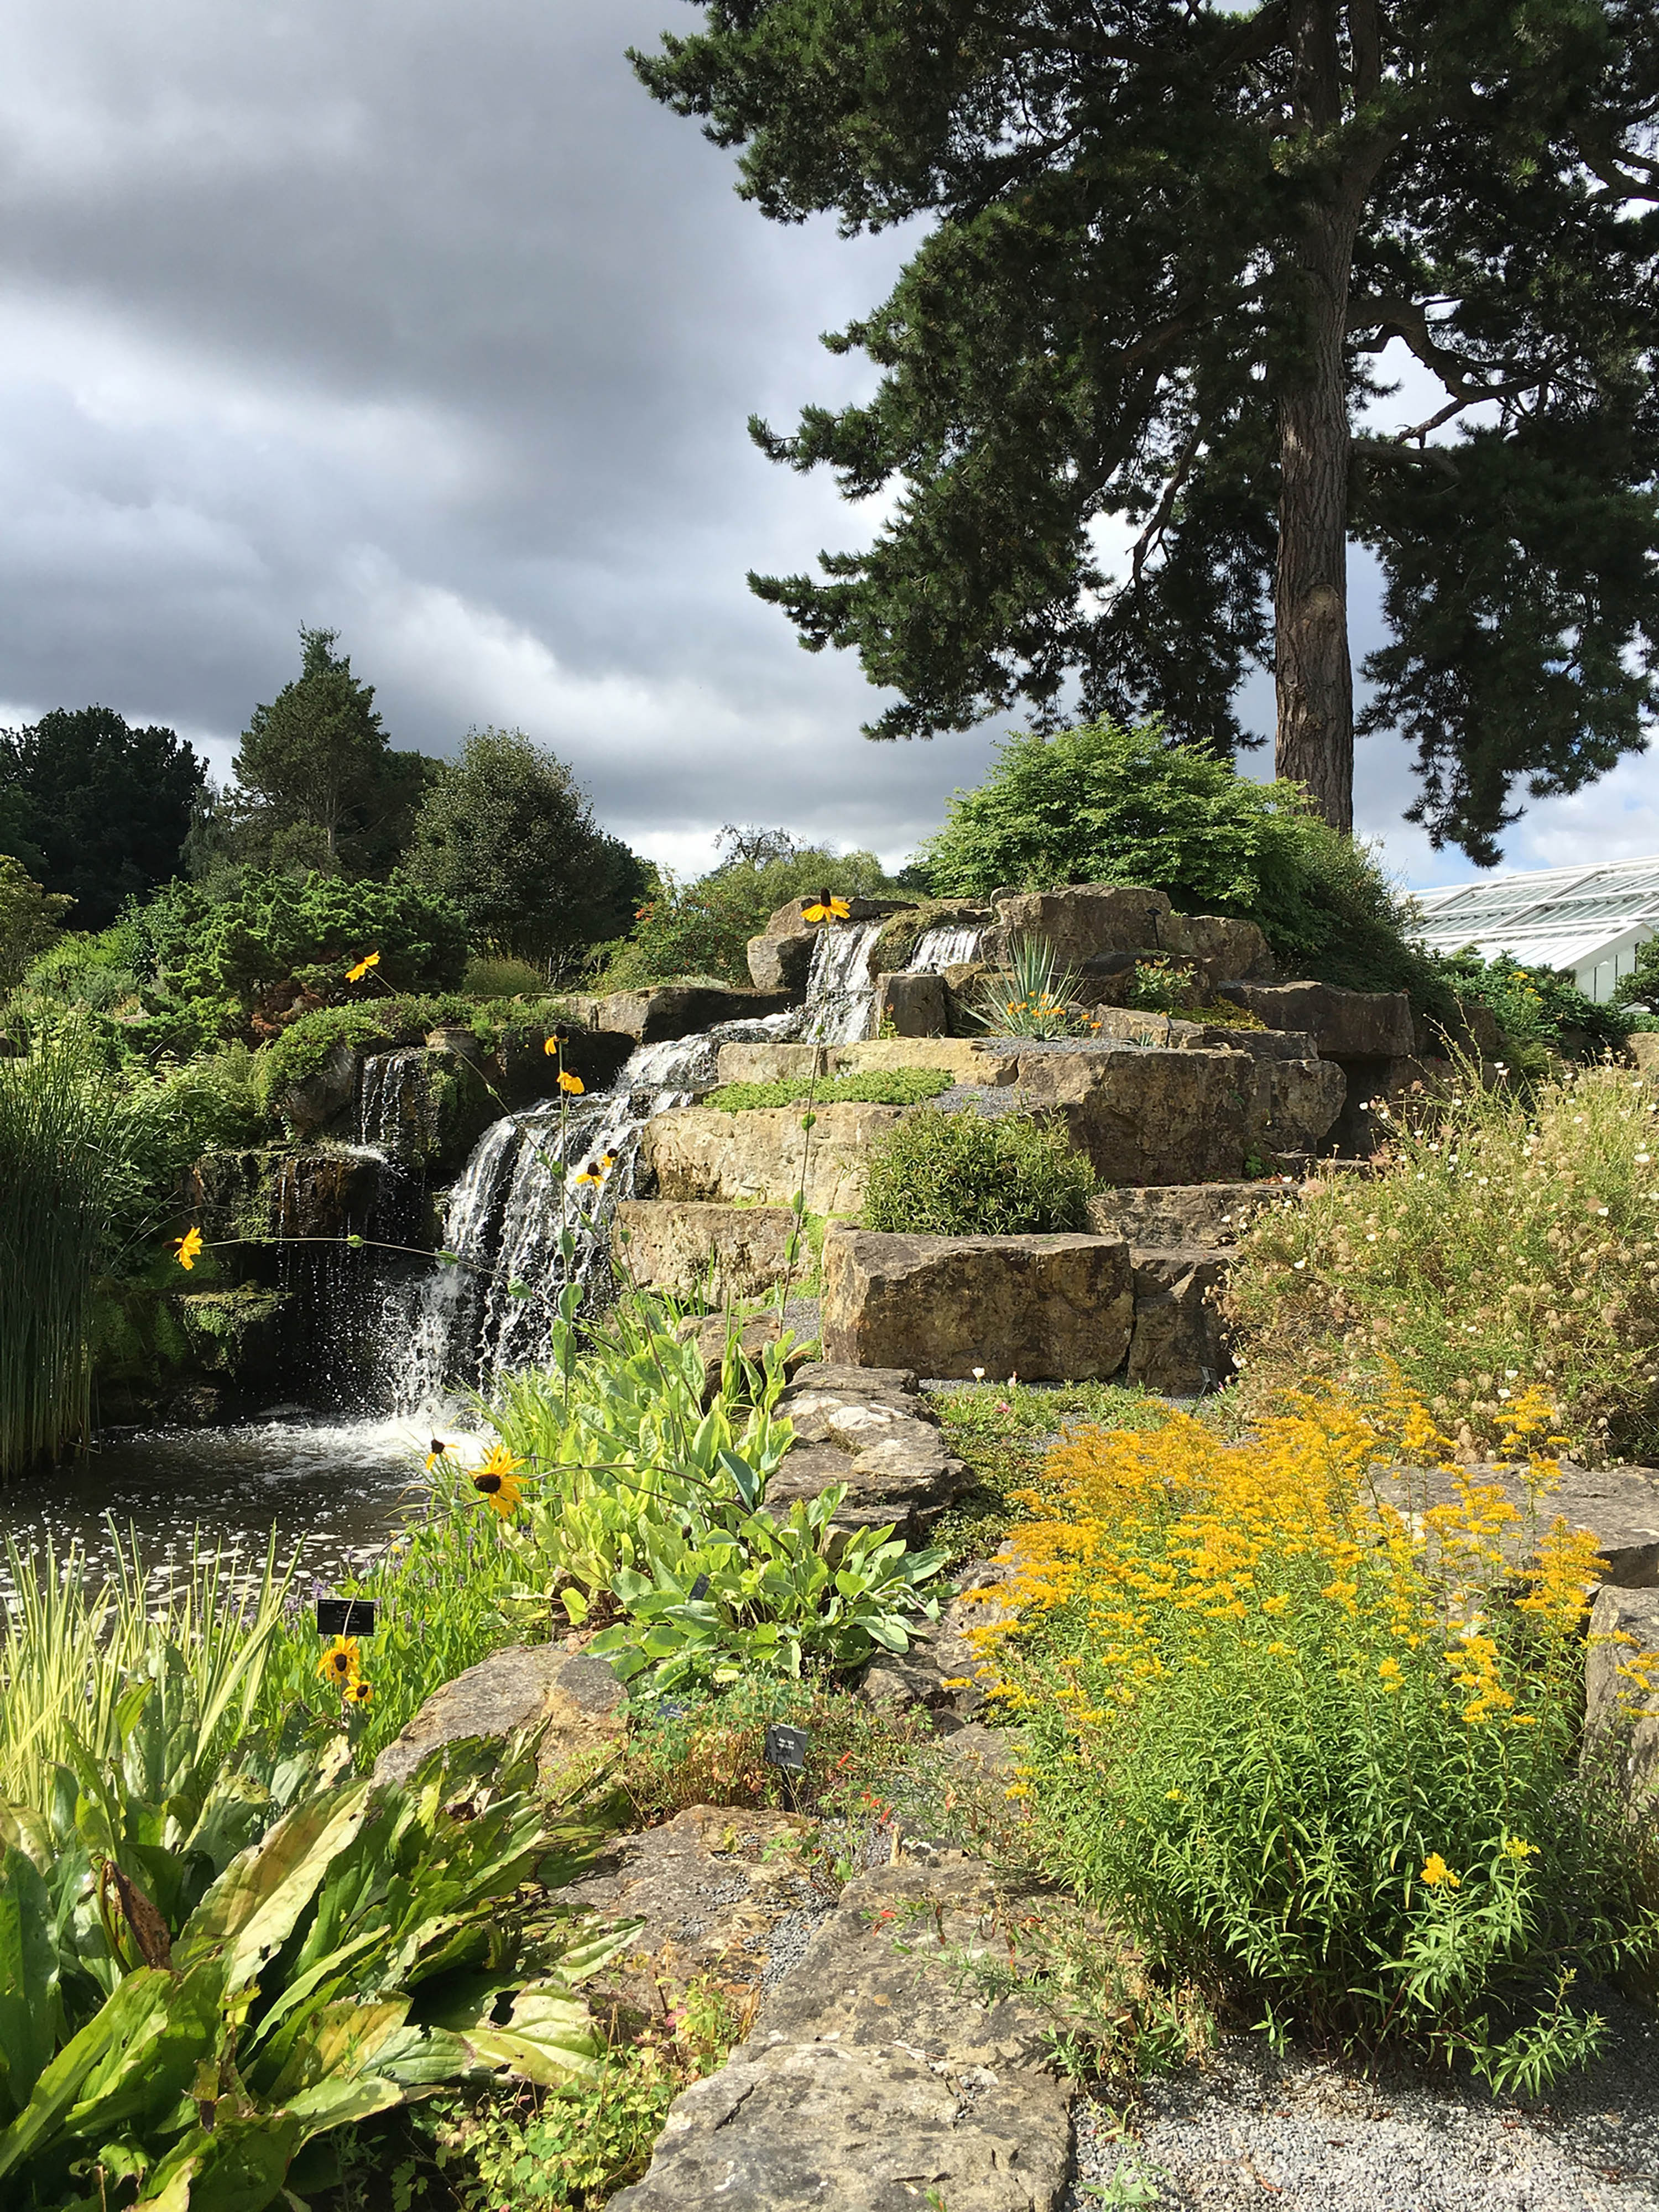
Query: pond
(340,1486)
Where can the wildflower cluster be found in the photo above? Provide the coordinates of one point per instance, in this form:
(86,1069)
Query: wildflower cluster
(1287,1714)
(342,1665)
(1500,1242)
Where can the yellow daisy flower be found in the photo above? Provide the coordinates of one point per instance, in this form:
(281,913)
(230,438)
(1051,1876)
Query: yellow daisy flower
(355,973)
(827,908)
(574,1083)
(188,1247)
(496,1482)
(339,1663)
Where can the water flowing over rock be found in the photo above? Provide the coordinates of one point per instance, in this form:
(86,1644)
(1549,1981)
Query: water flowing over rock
(394,1104)
(841,986)
(953,947)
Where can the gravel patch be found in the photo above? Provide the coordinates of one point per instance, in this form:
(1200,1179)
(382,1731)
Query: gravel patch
(788,1939)
(1310,2136)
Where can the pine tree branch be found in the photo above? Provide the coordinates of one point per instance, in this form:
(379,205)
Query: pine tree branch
(1406,319)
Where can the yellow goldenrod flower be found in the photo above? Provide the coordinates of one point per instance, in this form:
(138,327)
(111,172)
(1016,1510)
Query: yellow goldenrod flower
(1389,1669)
(572,1084)
(339,1663)
(356,973)
(188,1247)
(1517,1848)
(1436,1874)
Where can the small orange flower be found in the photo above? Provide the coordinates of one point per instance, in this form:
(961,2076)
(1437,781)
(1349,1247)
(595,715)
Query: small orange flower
(574,1083)
(188,1247)
(356,973)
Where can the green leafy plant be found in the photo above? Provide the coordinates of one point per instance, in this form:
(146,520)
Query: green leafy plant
(967,1174)
(375,1943)
(490,976)
(889,1086)
(1539,1011)
(1027,997)
(1163,986)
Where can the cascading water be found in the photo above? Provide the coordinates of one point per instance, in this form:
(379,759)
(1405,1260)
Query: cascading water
(951,947)
(523,1188)
(394,1104)
(840,985)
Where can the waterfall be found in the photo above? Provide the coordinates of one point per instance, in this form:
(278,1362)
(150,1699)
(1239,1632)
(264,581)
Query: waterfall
(394,1104)
(840,988)
(491,1310)
(949,947)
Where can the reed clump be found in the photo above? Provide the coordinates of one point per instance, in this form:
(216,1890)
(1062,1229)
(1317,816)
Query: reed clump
(61,1169)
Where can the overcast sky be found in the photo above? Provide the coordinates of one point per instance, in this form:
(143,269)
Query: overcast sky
(422,322)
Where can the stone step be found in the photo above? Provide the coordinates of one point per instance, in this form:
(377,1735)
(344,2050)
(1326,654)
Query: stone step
(1210,1213)
(875,2079)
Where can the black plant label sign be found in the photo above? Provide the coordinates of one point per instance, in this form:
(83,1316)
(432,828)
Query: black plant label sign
(787,1747)
(345,1616)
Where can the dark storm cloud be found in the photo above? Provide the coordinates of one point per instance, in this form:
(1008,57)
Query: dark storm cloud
(423,321)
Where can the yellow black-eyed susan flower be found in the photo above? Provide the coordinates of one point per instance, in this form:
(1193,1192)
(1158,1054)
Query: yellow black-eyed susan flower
(827,908)
(571,1083)
(360,968)
(553,1047)
(439,1448)
(496,1481)
(599,1170)
(339,1663)
(359,1692)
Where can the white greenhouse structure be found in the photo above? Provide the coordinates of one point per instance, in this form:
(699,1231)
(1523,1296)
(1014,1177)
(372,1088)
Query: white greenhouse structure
(1589,919)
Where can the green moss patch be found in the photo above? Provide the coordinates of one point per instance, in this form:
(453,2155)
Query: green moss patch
(891,1086)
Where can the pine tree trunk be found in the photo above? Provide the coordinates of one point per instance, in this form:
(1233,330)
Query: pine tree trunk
(1312,674)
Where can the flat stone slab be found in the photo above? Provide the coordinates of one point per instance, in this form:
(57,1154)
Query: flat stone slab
(711,1887)
(869,1429)
(1057,1307)
(1348,1024)
(1621,1711)
(967,1059)
(696,1152)
(1209,1213)
(873,2080)
(577,1697)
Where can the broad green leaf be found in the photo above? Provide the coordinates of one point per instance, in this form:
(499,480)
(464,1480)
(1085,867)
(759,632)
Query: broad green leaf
(239,2165)
(29,1980)
(549,2037)
(339,2043)
(335,2103)
(251,1911)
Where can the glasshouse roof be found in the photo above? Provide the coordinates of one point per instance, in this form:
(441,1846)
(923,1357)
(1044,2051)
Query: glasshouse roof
(1589,919)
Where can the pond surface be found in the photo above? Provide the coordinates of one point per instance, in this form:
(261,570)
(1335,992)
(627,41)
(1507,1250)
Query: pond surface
(340,1486)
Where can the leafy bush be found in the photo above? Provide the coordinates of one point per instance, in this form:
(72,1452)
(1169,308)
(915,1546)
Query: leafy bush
(296,1052)
(491,977)
(30,920)
(1501,1243)
(891,1086)
(1540,1010)
(1103,805)
(277,930)
(1319,1752)
(1163,986)
(703,928)
(967,1174)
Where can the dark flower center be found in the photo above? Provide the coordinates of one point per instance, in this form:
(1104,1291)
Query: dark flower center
(490,1484)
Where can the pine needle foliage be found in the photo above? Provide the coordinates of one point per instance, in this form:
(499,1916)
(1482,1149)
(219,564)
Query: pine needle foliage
(60,1168)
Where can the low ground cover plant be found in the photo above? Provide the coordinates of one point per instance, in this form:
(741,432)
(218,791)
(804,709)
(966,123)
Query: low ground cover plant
(1506,1240)
(967,1174)
(887,1086)
(1319,1756)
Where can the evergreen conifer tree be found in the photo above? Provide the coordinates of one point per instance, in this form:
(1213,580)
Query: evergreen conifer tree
(1166,245)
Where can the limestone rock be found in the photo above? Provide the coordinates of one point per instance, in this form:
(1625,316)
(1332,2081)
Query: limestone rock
(968,1059)
(1643,1046)
(677,1010)
(910,1005)
(1348,1024)
(1041,1307)
(1295,1103)
(780,957)
(324,1096)
(1148,1117)
(868,1428)
(1179,1346)
(1087,920)
(1229,951)
(577,1696)
(1621,1713)
(697,1248)
(696,1152)
(1210,1213)
(873,2080)
(710,1885)
(1130,1026)
(1618,1506)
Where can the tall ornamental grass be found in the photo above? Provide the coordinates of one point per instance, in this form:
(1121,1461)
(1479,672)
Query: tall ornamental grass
(60,1171)
(1505,1242)
(1320,1754)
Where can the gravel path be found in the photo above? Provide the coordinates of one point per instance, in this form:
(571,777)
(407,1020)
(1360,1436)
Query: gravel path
(1304,2136)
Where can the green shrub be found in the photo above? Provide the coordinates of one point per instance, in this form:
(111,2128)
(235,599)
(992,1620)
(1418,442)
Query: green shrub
(276,930)
(702,928)
(1503,1243)
(300,1049)
(1103,805)
(969,1174)
(491,977)
(891,1086)
(1540,1010)
(1319,1754)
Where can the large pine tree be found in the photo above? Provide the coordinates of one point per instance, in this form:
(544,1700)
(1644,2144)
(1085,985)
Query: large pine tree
(1167,243)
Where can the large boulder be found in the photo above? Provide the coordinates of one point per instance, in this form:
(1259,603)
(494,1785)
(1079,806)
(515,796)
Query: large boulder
(1228,951)
(874,2079)
(1621,1693)
(1368,1025)
(1086,919)
(911,1005)
(1149,1116)
(1295,1106)
(965,1060)
(1179,1347)
(867,1428)
(576,1699)
(698,1152)
(1057,1307)
(700,1249)
(325,1098)
(1207,1213)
